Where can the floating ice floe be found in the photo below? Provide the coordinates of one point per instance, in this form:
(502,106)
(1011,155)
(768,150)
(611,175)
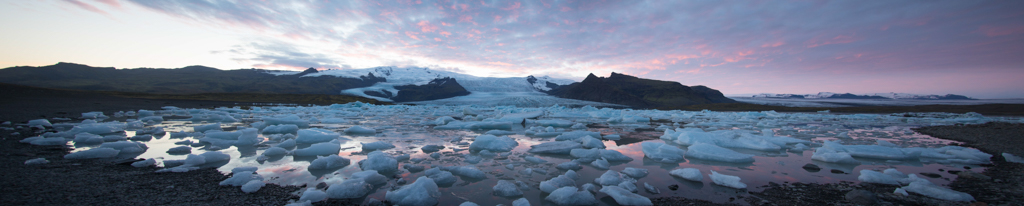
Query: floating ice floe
(727,180)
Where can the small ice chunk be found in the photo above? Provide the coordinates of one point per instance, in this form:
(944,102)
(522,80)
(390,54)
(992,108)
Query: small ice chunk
(938,192)
(625,197)
(329,162)
(318,149)
(351,188)
(612,155)
(241,178)
(612,137)
(715,153)
(431,148)
(570,165)
(521,202)
(180,150)
(727,180)
(144,137)
(557,182)
(663,152)
(144,163)
(610,178)
(590,142)
(421,192)
(215,156)
(360,130)
(441,177)
(275,152)
(467,172)
(36,161)
(571,196)
(370,176)
(380,145)
(635,173)
(39,122)
(86,138)
(244,169)
(280,129)
(827,154)
(313,195)
(50,141)
(94,153)
(505,188)
(204,128)
(556,147)
(473,159)
(601,164)
(877,177)
(413,168)
(535,160)
(315,135)
(468,203)
(287,144)
(651,189)
(1012,158)
(253,186)
(628,185)
(691,174)
(591,187)
(901,191)
(380,161)
(493,143)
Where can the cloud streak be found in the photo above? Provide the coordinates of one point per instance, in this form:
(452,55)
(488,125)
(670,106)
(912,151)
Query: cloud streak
(720,44)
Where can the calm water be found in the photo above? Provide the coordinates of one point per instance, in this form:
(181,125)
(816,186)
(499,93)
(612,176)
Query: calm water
(403,129)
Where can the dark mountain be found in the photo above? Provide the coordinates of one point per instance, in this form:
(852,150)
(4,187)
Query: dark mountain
(201,79)
(437,89)
(638,92)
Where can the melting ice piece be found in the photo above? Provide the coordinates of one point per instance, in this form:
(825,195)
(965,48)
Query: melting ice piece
(570,165)
(318,149)
(180,150)
(50,141)
(86,138)
(39,122)
(558,182)
(315,135)
(600,164)
(313,195)
(351,188)
(466,172)
(716,153)
(206,127)
(571,196)
(280,129)
(381,145)
(370,176)
(926,188)
(610,178)
(574,135)
(556,147)
(493,143)
(727,180)
(144,163)
(380,161)
(827,154)
(1012,158)
(431,148)
(878,177)
(651,189)
(635,173)
(253,186)
(360,130)
(93,153)
(441,177)
(329,162)
(505,188)
(691,174)
(590,142)
(275,152)
(521,202)
(239,179)
(36,161)
(625,197)
(662,152)
(535,160)
(421,192)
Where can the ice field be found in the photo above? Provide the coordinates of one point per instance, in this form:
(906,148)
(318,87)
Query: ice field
(510,155)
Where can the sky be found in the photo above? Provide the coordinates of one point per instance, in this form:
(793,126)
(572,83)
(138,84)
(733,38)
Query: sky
(973,48)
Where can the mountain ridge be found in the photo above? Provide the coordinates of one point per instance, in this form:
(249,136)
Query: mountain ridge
(890,95)
(638,92)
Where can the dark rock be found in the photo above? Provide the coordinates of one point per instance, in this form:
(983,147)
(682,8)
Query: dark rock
(931,175)
(973,175)
(861,197)
(439,88)
(638,92)
(673,187)
(835,171)
(811,167)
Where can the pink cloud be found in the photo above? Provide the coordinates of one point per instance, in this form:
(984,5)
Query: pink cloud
(992,31)
(85,6)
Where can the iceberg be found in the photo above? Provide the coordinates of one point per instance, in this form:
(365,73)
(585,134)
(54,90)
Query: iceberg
(351,188)
(662,152)
(727,180)
(421,192)
(691,174)
(493,143)
(315,135)
(715,153)
(380,161)
(625,197)
(571,196)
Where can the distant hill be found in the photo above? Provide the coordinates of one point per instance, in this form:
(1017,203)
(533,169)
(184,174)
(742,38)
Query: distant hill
(830,95)
(638,92)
